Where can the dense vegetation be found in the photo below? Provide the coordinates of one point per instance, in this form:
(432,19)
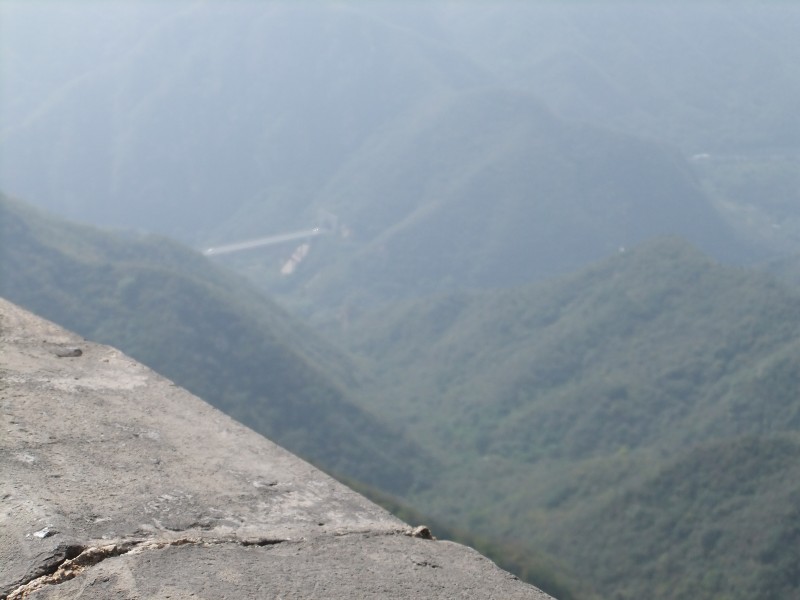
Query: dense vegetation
(720,521)
(207,330)
(568,415)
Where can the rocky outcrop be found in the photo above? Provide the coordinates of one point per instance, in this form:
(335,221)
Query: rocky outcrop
(114,482)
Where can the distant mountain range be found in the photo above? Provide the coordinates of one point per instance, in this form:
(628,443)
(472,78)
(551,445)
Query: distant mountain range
(214,123)
(490,189)
(702,76)
(528,309)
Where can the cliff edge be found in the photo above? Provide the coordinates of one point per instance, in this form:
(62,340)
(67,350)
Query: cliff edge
(114,482)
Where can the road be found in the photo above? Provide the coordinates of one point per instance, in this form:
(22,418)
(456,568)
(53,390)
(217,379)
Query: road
(265,241)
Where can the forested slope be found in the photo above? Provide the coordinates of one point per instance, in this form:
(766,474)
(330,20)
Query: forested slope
(720,521)
(565,409)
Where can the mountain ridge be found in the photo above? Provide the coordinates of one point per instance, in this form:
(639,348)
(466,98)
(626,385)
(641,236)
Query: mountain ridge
(552,405)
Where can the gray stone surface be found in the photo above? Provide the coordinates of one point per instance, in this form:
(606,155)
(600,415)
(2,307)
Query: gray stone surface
(115,483)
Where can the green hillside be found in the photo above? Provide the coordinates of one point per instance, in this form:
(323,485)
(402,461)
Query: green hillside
(651,325)
(553,405)
(535,567)
(720,521)
(207,330)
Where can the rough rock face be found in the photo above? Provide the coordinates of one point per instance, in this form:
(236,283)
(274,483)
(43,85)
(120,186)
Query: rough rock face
(116,483)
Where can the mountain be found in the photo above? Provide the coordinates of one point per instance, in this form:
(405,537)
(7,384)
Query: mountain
(215,123)
(199,120)
(555,406)
(491,189)
(205,329)
(692,525)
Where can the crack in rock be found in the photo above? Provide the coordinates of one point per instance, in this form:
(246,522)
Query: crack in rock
(71,567)
(422,532)
(73,560)
(48,565)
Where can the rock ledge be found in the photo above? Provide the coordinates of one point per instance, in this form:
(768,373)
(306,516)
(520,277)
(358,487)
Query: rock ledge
(114,482)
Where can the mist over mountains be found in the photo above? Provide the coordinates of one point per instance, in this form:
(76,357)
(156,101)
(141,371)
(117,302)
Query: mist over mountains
(256,115)
(533,298)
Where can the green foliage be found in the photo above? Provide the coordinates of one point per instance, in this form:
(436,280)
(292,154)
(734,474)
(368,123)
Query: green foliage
(720,521)
(553,405)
